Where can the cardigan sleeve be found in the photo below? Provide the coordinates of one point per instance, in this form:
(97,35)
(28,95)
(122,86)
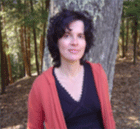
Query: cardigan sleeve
(107,99)
(35,111)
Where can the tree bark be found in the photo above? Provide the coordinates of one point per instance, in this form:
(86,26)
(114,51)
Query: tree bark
(42,40)
(24,53)
(6,47)
(127,34)
(135,39)
(35,43)
(41,49)
(27,41)
(123,38)
(138,39)
(106,18)
(4,67)
(4,64)
(28,51)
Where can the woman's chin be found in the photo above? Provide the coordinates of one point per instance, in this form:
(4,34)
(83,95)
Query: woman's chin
(72,60)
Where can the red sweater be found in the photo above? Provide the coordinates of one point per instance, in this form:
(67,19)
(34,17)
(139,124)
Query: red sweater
(44,104)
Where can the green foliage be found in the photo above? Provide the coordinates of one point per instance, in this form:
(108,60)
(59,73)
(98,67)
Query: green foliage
(17,13)
(132,8)
(20,13)
(131,14)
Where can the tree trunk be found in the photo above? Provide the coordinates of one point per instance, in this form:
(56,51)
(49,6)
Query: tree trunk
(127,34)
(4,67)
(41,49)
(24,53)
(9,66)
(119,47)
(4,70)
(42,39)
(35,43)
(6,47)
(27,10)
(138,39)
(28,51)
(106,18)
(135,38)
(123,38)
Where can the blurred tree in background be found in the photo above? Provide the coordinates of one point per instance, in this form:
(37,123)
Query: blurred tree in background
(130,29)
(23,27)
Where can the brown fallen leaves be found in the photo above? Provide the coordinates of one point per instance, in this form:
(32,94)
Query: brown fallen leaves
(126,94)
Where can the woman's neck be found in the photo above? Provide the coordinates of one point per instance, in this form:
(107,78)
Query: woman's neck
(70,69)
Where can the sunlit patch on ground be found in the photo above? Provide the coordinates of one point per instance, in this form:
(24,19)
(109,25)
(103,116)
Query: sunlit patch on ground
(15,127)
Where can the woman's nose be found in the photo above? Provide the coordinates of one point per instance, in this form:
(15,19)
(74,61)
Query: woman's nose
(74,41)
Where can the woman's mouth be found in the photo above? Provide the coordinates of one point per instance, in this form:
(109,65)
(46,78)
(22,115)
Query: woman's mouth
(74,51)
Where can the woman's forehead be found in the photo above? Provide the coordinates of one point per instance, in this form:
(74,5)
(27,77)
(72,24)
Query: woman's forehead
(75,25)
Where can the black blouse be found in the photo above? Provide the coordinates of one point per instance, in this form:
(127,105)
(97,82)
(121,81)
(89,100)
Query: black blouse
(86,113)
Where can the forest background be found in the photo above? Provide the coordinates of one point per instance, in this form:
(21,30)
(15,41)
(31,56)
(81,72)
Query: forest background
(23,26)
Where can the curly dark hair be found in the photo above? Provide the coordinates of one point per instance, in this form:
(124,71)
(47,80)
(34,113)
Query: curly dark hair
(57,27)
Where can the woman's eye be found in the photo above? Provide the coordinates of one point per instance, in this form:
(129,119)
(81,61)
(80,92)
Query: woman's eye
(66,35)
(81,36)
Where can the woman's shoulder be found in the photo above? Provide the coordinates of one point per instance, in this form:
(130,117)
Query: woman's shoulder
(97,68)
(43,78)
(94,65)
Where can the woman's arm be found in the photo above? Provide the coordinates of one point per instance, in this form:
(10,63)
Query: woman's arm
(107,99)
(35,110)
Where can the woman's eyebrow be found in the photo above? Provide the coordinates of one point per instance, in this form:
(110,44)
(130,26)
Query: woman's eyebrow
(81,33)
(67,32)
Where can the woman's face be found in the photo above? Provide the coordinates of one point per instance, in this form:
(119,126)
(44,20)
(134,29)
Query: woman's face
(72,44)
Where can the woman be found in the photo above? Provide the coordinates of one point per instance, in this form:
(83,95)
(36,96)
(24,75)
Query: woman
(74,93)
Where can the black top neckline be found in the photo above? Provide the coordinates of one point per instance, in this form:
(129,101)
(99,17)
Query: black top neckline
(67,94)
(85,113)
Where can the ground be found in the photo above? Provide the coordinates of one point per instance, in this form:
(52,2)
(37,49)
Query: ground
(125,98)
(126,93)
